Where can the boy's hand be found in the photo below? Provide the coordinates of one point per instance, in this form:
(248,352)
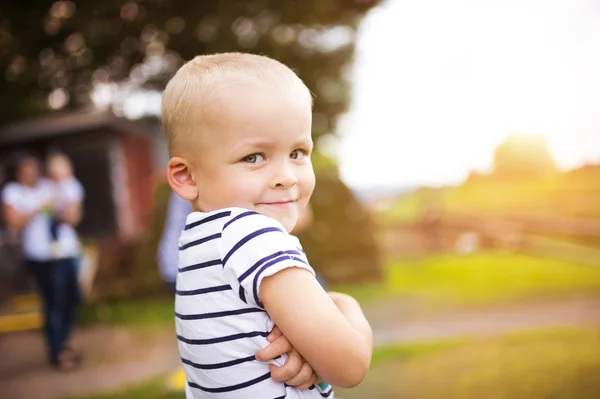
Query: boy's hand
(48,206)
(295,372)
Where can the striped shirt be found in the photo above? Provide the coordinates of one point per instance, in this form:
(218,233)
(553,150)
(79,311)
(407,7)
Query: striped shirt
(221,323)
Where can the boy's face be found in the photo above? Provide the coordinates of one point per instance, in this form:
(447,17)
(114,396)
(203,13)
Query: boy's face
(258,153)
(58,169)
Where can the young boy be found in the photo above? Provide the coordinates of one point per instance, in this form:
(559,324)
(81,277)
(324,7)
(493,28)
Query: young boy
(64,190)
(238,128)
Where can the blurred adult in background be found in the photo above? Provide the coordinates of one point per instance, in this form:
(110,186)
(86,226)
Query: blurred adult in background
(168,248)
(29,206)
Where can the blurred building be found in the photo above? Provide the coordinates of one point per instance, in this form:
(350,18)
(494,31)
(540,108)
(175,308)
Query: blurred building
(116,160)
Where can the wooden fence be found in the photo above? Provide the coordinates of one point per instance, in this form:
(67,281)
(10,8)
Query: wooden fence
(568,238)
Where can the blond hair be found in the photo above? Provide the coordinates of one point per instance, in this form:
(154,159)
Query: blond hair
(59,163)
(186,93)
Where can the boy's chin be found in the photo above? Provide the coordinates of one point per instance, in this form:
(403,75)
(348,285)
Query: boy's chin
(288,222)
(287,217)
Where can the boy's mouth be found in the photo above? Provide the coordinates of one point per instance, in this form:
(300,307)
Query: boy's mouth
(278,203)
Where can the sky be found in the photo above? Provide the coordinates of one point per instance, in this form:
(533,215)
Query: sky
(438,84)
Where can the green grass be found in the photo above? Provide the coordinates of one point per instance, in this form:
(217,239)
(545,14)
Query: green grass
(130,312)
(154,389)
(409,351)
(478,279)
(558,364)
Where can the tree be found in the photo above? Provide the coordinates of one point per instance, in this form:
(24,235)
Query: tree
(522,157)
(55,54)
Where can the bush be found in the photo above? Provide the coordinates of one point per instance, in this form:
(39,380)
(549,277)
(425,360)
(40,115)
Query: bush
(340,243)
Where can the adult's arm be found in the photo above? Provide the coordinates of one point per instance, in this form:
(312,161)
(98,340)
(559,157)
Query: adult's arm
(168,248)
(15,219)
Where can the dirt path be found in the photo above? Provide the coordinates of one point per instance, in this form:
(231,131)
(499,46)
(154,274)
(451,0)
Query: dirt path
(114,357)
(117,356)
(493,321)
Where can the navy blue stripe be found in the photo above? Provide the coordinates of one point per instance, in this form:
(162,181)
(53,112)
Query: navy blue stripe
(200,241)
(281,397)
(241,215)
(202,265)
(225,338)
(248,238)
(215,366)
(201,291)
(231,387)
(207,219)
(327,393)
(263,260)
(265,267)
(242,294)
(312,387)
(216,314)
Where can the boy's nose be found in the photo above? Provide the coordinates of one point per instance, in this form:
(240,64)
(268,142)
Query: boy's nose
(284,178)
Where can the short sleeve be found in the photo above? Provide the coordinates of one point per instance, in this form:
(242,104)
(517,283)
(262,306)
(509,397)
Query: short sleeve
(72,191)
(10,196)
(254,246)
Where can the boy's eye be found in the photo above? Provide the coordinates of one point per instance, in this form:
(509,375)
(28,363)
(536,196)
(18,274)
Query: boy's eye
(297,154)
(253,158)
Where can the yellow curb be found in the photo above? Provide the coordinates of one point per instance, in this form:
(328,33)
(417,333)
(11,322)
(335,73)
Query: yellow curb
(177,380)
(25,303)
(21,322)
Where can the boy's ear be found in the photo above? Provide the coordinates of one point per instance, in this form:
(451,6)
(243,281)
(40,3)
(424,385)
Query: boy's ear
(180,178)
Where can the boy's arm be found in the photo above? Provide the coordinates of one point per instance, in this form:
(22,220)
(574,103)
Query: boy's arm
(73,212)
(351,310)
(329,331)
(296,371)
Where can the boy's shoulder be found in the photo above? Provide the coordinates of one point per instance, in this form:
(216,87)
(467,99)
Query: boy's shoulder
(71,189)
(233,225)
(231,218)
(247,219)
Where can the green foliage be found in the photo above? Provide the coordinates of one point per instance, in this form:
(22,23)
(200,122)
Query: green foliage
(323,165)
(71,45)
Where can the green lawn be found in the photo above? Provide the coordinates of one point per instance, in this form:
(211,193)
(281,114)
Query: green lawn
(478,279)
(131,312)
(558,364)
(155,389)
